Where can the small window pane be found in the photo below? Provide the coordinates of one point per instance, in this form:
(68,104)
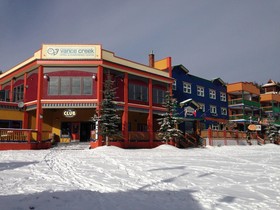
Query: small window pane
(76,86)
(87,90)
(53,86)
(65,86)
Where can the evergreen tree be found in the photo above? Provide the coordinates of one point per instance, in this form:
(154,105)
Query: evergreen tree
(170,120)
(271,130)
(108,120)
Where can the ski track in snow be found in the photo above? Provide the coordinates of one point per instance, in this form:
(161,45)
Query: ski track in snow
(219,178)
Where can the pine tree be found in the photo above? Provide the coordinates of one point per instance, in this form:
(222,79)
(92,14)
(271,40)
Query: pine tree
(108,120)
(271,130)
(170,120)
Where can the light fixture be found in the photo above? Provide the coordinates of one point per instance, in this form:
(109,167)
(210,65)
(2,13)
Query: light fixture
(94,76)
(46,76)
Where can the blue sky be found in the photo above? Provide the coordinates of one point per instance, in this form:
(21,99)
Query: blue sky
(236,40)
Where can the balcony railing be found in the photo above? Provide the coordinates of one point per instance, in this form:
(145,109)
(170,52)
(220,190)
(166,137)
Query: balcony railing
(241,101)
(271,109)
(243,116)
(22,135)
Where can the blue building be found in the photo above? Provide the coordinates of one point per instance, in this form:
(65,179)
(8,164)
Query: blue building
(203,102)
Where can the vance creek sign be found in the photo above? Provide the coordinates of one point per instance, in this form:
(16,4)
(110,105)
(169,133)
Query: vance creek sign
(71,52)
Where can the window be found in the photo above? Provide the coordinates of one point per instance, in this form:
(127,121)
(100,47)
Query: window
(10,124)
(138,92)
(87,85)
(187,87)
(174,85)
(18,93)
(53,85)
(76,86)
(223,111)
(223,96)
(213,109)
(65,86)
(212,94)
(158,96)
(4,95)
(202,107)
(200,91)
(141,127)
(215,127)
(70,86)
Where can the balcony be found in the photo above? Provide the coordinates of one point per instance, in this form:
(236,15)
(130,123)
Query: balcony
(243,102)
(271,109)
(244,117)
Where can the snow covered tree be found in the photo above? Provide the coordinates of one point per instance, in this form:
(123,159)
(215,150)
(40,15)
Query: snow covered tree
(108,120)
(272,131)
(169,120)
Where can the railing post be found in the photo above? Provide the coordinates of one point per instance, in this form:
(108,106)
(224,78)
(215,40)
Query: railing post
(210,136)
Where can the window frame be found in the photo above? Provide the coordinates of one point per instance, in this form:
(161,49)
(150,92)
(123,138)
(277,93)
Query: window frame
(56,86)
(187,87)
(223,111)
(223,96)
(213,109)
(200,91)
(212,94)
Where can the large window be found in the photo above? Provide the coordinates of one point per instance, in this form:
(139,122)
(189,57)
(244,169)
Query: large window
(18,93)
(212,94)
(200,91)
(70,86)
(158,96)
(10,124)
(138,92)
(4,95)
(187,87)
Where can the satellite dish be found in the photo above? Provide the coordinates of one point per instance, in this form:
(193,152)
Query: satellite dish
(20,105)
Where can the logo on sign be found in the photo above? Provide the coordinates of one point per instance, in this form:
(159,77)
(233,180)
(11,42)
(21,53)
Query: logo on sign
(52,51)
(69,113)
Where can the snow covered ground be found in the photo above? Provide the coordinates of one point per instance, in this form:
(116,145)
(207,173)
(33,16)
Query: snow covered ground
(76,178)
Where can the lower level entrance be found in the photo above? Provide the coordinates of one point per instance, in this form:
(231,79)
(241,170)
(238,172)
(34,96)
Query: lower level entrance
(76,131)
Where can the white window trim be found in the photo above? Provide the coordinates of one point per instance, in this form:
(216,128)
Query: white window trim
(223,96)
(200,91)
(187,88)
(213,109)
(223,112)
(212,94)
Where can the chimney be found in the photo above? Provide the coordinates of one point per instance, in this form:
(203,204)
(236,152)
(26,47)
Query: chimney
(152,59)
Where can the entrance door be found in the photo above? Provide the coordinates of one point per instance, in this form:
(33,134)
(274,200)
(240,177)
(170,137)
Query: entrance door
(75,131)
(85,131)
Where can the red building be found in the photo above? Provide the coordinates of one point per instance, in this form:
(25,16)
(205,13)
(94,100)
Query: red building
(59,89)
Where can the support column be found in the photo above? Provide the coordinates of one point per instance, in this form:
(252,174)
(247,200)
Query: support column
(11,94)
(150,115)
(25,113)
(99,95)
(125,111)
(39,110)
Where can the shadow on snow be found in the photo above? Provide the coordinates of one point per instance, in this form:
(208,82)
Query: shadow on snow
(85,199)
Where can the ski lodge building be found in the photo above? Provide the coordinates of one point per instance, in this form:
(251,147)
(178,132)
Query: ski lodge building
(56,92)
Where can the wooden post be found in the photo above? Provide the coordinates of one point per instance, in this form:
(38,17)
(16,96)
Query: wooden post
(125,111)
(99,95)
(39,110)
(150,115)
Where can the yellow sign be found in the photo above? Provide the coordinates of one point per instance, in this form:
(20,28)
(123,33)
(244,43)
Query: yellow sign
(253,127)
(71,52)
